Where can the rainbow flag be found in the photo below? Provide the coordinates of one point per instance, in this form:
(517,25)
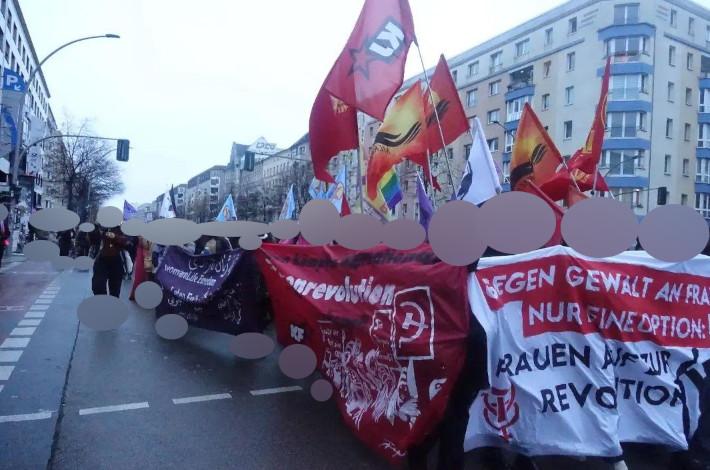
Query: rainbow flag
(389,187)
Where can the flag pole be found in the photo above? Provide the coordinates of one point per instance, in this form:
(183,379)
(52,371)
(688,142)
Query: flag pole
(360,159)
(436,115)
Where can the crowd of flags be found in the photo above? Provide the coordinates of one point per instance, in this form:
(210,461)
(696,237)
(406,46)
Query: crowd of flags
(416,126)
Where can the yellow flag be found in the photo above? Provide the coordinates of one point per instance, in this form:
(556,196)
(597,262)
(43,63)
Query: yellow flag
(379,205)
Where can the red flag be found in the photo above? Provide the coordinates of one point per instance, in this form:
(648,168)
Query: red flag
(345,209)
(445,99)
(332,129)
(592,150)
(574,196)
(370,69)
(530,187)
(401,135)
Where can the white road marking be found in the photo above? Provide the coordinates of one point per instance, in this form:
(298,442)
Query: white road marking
(39,307)
(42,301)
(27,417)
(15,343)
(34,315)
(29,331)
(11,308)
(1,387)
(271,391)
(29,322)
(109,409)
(10,355)
(220,396)
(48,297)
(5,372)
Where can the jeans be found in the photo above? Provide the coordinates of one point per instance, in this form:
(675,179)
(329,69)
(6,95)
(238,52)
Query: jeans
(107,270)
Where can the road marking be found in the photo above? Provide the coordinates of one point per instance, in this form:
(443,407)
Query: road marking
(11,308)
(109,409)
(48,297)
(9,265)
(16,343)
(10,356)
(34,315)
(39,307)
(270,391)
(220,396)
(29,331)
(5,372)
(1,387)
(29,322)
(42,301)
(27,417)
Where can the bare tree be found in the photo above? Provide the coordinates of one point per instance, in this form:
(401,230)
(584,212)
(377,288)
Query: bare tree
(81,171)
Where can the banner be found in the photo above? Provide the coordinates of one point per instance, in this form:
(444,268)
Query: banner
(220,292)
(13,87)
(584,353)
(388,328)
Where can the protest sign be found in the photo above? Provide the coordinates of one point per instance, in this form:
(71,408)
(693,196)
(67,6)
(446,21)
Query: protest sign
(219,292)
(388,328)
(584,353)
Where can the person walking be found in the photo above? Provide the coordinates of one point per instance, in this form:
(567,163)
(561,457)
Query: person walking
(143,267)
(4,237)
(108,265)
(65,240)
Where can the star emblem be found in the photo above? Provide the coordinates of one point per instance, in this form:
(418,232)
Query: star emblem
(361,60)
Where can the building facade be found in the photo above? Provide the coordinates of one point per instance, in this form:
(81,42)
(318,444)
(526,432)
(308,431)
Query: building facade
(205,193)
(658,122)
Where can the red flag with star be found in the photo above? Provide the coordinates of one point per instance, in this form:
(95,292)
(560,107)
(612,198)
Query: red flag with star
(370,68)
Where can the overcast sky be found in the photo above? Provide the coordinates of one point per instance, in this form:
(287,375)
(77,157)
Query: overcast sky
(188,78)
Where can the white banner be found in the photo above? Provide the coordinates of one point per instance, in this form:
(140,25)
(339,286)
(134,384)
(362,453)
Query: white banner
(584,353)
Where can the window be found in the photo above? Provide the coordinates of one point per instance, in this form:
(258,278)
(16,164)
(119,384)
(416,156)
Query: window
(704,101)
(686,132)
(667,165)
(493,116)
(473,69)
(671,56)
(674,18)
(686,167)
(572,25)
(450,153)
(707,35)
(704,135)
(702,204)
(506,172)
(545,101)
(627,49)
(522,48)
(683,199)
(546,68)
(689,61)
(493,144)
(514,108)
(454,75)
(627,87)
(671,91)
(569,95)
(494,88)
(548,37)
(568,130)
(702,172)
(509,141)
(691,26)
(669,128)
(625,124)
(467,150)
(570,61)
(626,14)
(496,61)
(689,96)
(622,162)
(471,97)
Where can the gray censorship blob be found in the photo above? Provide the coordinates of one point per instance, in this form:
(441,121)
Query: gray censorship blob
(172,231)
(171,326)
(252,346)
(455,233)
(83,263)
(41,250)
(87,227)
(600,227)
(503,216)
(109,217)
(102,312)
(3,212)
(318,220)
(285,229)
(673,233)
(133,227)
(54,219)
(149,295)
(403,234)
(297,361)
(358,232)
(250,242)
(321,390)
(62,263)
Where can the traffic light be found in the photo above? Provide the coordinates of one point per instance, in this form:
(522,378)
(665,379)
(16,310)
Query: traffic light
(662,196)
(249,160)
(122,150)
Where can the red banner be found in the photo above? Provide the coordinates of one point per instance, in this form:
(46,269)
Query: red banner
(388,328)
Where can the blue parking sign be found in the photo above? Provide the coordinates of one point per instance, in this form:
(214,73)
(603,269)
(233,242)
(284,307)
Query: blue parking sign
(13,81)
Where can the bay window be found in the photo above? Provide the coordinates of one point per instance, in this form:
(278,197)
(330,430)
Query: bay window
(626,124)
(622,162)
(702,172)
(509,141)
(704,135)
(629,196)
(627,49)
(702,204)
(628,87)
(514,108)
(704,101)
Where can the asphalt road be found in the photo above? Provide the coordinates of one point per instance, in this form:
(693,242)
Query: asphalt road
(74,398)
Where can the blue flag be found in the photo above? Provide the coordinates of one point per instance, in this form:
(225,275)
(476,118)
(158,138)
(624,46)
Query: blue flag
(228,211)
(129,212)
(318,189)
(289,208)
(426,210)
